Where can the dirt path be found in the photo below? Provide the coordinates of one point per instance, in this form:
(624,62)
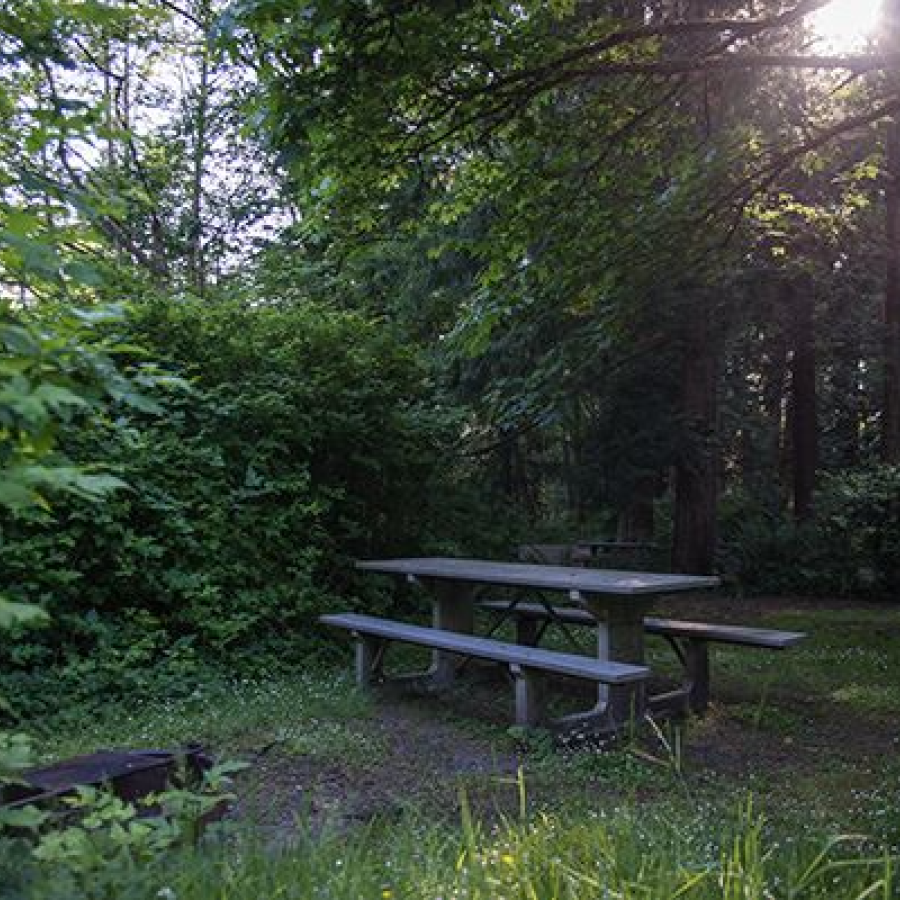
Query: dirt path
(422,757)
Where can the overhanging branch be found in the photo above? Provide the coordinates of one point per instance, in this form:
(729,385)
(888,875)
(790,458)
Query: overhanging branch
(736,61)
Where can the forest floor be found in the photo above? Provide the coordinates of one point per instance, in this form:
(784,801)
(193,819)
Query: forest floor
(811,734)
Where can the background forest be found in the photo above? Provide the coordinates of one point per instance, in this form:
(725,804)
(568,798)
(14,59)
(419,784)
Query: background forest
(285,286)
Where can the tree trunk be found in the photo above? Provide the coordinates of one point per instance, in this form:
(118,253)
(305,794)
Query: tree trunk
(196,243)
(890,434)
(773,400)
(636,523)
(804,414)
(845,395)
(696,471)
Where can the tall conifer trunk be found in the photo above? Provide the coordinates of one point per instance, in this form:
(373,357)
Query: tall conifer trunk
(890,433)
(804,413)
(196,237)
(696,470)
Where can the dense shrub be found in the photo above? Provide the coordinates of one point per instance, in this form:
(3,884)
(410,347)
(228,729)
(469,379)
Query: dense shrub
(305,441)
(850,548)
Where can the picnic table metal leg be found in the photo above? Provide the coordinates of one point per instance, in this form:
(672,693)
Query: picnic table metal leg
(692,695)
(620,637)
(369,655)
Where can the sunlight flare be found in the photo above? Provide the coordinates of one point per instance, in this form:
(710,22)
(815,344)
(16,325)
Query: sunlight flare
(846,24)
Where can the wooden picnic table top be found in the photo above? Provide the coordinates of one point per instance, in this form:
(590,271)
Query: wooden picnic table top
(573,579)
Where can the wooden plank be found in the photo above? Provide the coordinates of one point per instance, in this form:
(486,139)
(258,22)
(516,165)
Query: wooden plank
(766,638)
(485,648)
(573,579)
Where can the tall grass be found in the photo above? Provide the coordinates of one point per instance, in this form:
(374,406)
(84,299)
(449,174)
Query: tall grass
(627,854)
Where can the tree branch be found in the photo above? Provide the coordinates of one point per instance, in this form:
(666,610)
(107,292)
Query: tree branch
(744,28)
(855,64)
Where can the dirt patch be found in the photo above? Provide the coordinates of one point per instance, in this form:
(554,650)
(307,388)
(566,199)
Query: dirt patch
(426,758)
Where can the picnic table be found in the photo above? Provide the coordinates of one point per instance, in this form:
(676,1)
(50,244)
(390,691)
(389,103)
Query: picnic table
(619,601)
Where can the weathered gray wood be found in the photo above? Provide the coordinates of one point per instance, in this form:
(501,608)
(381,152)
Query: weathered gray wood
(453,609)
(551,554)
(544,554)
(529,687)
(527,664)
(576,581)
(765,638)
(535,612)
(486,648)
(617,600)
(620,635)
(690,640)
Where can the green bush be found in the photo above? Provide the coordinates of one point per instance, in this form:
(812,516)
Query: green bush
(850,548)
(304,441)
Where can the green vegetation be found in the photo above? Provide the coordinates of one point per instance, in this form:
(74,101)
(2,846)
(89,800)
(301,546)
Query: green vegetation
(788,786)
(552,857)
(282,286)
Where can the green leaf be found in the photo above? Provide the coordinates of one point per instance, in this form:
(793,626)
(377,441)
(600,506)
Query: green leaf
(15,495)
(23,817)
(12,613)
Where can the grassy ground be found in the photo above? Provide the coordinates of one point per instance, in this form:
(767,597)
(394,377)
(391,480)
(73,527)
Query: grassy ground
(799,749)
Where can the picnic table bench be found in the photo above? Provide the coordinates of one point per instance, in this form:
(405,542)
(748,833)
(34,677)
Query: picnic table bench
(617,601)
(690,641)
(526,664)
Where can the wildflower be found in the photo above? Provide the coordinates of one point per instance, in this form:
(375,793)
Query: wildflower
(508,858)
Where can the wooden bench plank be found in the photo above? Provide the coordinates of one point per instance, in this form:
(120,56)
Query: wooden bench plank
(608,672)
(690,640)
(526,664)
(765,638)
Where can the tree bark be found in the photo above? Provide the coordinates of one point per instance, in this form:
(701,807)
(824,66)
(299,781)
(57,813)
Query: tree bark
(196,237)
(773,399)
(636,523)
(804,402)
(845,395)
(890,434)
(890,430)
(696,471)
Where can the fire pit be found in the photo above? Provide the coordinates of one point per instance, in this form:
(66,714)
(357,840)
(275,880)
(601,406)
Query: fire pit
(130,774)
